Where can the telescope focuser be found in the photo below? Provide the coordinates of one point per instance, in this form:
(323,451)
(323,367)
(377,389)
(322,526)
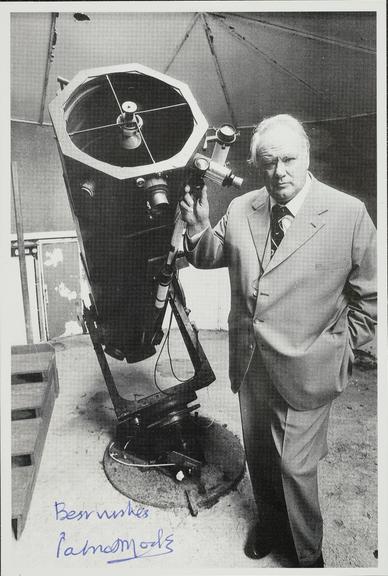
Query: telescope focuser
(215,172)
(215,168)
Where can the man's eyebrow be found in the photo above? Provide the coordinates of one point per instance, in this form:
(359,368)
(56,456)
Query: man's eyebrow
(267,157)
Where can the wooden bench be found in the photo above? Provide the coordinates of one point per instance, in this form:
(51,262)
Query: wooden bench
(34,387)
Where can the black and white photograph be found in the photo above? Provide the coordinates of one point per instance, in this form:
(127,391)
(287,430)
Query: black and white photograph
(194,293)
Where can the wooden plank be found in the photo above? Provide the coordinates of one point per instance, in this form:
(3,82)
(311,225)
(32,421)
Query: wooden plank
(24,434)
(30,363)
(29,435)
(30,395)
(21,253)
(46,411)
(21,484)
(24,478)
(40,348)
(31,357)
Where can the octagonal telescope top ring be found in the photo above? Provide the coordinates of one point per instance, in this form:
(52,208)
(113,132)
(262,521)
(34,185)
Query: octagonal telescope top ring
(127,121)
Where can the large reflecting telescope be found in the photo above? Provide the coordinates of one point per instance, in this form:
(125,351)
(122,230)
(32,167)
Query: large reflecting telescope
(130,139)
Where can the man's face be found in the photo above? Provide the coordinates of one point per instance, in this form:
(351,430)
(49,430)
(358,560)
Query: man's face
(283,160)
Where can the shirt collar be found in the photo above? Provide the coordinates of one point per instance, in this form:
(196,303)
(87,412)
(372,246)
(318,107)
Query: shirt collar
(295,204)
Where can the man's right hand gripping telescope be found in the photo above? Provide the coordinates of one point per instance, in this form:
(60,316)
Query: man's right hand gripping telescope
(195,210)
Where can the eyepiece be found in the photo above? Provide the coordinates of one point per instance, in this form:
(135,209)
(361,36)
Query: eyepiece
(226,134)
(157,195)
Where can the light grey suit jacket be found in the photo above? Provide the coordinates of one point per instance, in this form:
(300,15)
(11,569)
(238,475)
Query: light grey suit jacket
(308,307)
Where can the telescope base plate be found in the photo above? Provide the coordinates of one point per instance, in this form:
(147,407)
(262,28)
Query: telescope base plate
(224,468)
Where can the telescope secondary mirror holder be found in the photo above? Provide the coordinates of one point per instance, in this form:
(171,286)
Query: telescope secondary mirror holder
(127,137)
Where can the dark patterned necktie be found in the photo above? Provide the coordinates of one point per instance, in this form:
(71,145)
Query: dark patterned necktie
(277,230)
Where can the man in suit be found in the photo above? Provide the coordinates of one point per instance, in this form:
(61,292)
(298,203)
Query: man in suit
(302,265)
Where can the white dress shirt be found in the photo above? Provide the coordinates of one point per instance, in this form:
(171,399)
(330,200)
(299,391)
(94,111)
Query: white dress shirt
(293,205)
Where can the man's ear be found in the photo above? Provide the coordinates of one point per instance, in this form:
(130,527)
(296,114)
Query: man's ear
(259,165)
(255,167)
(307,159)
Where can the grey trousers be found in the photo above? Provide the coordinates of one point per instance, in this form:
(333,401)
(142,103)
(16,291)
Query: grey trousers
(283,447)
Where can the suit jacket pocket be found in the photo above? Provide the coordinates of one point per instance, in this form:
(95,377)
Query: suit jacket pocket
(332,264)
(314,378)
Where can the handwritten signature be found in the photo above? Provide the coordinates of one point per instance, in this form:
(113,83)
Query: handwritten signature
(131,549)
(63,513)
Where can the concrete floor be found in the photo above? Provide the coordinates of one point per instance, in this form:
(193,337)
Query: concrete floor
(71,472)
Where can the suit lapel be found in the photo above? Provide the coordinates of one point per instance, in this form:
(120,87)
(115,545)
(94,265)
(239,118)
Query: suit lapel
(309,219)
(259,224)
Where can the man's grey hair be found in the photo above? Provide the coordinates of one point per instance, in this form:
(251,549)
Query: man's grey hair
(278,120)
